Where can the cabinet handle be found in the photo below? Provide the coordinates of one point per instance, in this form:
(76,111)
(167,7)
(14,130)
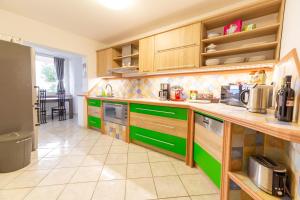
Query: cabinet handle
(180,47)
(23,140)
(170,144)
(158,111)
(175,66)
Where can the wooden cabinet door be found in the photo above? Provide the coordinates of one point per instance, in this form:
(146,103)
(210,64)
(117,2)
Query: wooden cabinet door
(180,58)
(180,37)
(146,54)
(189,57)
(105,62)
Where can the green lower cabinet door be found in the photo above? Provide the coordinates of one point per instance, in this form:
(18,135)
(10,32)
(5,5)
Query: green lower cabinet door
(208,164)
(162,111)
(94,122)
(94,102)
(161,140)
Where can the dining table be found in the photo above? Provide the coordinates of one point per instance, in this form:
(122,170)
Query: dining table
(69,99)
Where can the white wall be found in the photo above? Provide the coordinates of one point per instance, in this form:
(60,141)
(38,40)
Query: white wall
(291,28)
(49,36)
(75,79)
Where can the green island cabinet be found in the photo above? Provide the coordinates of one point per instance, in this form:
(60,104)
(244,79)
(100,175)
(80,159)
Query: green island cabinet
(208,145)
(160,126)
(94,113)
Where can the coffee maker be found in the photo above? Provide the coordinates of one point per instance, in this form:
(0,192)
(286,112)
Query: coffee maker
(164,92)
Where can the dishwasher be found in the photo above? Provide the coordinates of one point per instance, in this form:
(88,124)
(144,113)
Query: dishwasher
(208,145)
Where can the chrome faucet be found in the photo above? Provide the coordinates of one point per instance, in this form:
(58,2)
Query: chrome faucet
(109,94)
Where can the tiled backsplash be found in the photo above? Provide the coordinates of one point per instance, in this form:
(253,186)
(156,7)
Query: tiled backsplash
(149,87)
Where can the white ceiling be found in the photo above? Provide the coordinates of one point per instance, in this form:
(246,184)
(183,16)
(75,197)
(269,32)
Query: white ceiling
(93,20)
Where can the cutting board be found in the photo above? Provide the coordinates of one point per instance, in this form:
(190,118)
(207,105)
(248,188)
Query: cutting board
(289,65)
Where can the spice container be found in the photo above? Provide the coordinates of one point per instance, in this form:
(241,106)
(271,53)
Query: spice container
(193,94)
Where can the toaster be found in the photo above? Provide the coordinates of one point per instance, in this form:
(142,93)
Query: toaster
(267,175)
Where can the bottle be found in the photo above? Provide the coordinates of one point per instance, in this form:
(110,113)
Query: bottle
(262,77)
(286,99)
(252,74)
(277,96)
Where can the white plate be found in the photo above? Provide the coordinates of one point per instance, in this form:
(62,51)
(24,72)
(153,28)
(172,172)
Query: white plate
(234,60)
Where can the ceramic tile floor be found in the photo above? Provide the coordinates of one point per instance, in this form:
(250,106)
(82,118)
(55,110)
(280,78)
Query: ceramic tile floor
(75,163)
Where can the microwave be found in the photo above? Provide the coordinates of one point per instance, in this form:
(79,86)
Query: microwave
(230,94)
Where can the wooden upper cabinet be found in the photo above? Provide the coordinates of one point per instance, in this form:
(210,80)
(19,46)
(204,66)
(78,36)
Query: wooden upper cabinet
(105,62)
(181,58)
(146,54)
(180,37)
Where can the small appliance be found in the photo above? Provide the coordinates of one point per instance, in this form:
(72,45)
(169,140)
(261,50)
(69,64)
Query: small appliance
(257,98)
(267,175)
(230,94)
(164,92)
(176,93)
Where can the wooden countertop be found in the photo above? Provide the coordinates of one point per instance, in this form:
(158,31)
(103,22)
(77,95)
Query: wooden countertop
(265,123)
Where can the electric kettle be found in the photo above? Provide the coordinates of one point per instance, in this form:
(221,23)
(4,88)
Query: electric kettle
(257,98)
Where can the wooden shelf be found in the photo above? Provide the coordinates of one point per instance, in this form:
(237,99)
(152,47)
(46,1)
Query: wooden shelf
(246,49)
(267,30)
(245,183)
(128,56)
(250,12)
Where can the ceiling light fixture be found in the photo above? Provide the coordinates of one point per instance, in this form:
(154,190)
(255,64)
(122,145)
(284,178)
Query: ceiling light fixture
(116,4)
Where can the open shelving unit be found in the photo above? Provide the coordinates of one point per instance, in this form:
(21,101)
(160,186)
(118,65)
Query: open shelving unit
(131,56)
(242,142)
(244,182)
(265,39)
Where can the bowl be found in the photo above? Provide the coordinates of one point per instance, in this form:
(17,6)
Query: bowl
(210,62)
(213,34)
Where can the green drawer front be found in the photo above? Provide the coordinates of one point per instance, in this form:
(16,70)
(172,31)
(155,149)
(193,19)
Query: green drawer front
(208,164)
(162,111)
(94,102)
(94,122)
(160,140)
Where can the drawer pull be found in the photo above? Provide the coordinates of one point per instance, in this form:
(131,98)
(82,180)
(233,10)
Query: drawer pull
(24,140)
(159,111)
(170,144)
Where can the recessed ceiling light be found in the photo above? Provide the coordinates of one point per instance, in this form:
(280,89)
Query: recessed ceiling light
(116,4)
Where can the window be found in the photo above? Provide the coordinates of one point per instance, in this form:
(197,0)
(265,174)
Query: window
(45,73)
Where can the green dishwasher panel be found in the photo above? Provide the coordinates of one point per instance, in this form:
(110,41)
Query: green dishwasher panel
(162,111)
(161,140)
(94,122)
(94,102)
(208,164)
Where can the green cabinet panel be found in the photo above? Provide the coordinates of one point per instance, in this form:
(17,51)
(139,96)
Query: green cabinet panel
(208,164)
(94,102)
(161,140)
(162,111)
(94,122)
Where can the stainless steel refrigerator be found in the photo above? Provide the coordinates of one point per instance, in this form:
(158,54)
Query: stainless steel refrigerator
(18,102)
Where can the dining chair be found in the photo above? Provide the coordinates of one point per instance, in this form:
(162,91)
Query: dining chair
(43,110)
(61,106)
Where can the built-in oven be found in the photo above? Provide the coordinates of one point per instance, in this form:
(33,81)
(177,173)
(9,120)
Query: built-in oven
(116,113)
